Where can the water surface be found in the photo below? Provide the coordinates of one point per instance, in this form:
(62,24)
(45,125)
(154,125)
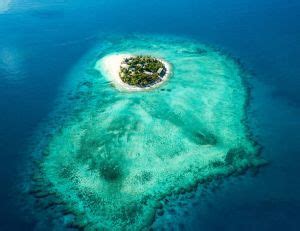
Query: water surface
(41,41)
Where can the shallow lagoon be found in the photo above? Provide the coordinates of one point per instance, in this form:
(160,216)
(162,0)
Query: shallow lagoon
(119,154)
(42,41)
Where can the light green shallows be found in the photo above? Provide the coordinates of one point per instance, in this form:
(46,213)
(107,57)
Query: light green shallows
(120,154)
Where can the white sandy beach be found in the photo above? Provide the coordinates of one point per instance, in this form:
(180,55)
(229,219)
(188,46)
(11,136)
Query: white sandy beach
(109,66)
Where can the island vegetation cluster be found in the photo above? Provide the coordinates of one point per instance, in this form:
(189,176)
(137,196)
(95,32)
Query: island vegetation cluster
(142,71)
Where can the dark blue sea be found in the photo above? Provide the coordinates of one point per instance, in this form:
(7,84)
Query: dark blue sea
(40,41)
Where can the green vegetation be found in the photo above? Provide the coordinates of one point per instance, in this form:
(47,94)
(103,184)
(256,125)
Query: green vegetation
(142,71)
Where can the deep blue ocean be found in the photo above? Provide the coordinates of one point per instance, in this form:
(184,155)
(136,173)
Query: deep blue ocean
(41,40)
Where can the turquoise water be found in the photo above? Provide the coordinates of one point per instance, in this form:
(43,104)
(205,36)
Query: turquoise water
(44,44)
(119,154)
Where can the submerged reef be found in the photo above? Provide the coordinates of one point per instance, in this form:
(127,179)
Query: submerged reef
(119,154)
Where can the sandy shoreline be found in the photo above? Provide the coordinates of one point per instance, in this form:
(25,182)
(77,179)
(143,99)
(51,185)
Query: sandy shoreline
(109,66)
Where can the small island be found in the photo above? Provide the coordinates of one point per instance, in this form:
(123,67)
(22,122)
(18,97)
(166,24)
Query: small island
(130,73)
(142,71)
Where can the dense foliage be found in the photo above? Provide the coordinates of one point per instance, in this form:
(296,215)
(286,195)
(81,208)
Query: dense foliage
(141,71)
